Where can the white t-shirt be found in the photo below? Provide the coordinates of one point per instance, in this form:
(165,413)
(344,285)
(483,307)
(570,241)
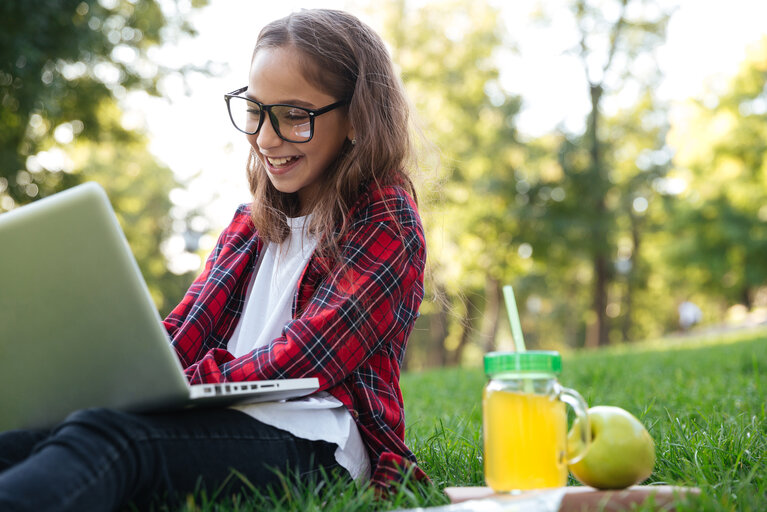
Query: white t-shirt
(267,311)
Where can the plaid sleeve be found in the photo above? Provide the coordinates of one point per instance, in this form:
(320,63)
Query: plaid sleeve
(393,468)
(192,323)
(367,300)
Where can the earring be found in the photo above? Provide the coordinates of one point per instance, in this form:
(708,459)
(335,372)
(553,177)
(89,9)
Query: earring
(354,141)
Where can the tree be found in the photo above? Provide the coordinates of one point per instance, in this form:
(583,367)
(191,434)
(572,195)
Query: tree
(639,303)
(447,53)
(613,35)
(64,66)
(721,219)
(62,62)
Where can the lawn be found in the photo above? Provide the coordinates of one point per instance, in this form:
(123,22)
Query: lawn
(702,400)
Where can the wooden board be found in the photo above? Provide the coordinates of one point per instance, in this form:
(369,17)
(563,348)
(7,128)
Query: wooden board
(584,499)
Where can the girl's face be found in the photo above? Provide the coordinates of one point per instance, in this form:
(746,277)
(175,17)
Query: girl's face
(276,76)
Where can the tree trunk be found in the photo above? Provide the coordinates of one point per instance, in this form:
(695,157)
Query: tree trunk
(598,333)
(467,323)
(629,299)
(745,297)
(492,314)
(437,353)
(627,307)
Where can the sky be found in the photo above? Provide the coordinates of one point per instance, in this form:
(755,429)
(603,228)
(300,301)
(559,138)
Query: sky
(191,132)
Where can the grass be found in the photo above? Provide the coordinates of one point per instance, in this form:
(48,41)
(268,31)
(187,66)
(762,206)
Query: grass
(703,401)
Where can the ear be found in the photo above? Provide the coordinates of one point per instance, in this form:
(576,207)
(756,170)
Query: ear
(350,134)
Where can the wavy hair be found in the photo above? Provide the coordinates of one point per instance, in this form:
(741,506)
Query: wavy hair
(346,59)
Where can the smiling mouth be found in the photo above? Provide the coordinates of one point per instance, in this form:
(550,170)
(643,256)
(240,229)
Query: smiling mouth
(282,161)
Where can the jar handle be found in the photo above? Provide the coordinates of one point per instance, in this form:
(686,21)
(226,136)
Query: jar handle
(583,439)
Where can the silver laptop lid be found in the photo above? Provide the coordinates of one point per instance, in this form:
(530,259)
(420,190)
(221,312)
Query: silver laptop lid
(77,325)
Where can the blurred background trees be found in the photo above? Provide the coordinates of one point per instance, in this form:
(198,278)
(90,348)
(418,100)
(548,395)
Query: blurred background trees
(64,67)
(450,68)
(595,229)
(603,230)
(720,218)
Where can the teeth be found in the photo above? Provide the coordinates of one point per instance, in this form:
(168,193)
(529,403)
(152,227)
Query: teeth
(280,161)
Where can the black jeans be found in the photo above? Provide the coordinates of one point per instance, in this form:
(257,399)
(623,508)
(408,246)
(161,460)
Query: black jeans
(101,459)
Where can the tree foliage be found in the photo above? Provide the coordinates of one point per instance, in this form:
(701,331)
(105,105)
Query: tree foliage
(589,226)
(448,56)
(562,217)
(613,35)
(64,67)
(62,63)
(720,219)
(593,228)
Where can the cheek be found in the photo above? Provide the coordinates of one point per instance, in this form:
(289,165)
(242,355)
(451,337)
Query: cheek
(329,142)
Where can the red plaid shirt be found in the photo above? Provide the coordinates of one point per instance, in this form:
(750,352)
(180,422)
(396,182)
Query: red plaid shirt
(350,323)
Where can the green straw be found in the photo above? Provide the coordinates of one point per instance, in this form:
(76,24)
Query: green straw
(516,329)
(516,326)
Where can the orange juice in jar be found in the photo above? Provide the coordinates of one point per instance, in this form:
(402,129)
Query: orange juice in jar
(525,421)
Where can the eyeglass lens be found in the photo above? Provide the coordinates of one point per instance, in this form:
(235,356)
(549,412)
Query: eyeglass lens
(291,123)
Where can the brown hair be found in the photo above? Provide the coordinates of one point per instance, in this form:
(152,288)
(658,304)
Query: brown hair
(346,59)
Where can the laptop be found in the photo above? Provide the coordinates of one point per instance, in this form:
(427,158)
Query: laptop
(78,327)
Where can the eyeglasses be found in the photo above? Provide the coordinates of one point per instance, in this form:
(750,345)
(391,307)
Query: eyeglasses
(290,122)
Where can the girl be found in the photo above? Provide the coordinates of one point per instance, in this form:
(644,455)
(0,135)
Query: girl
(321,276)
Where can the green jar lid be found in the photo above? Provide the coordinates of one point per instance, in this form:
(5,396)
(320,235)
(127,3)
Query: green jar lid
(535,361)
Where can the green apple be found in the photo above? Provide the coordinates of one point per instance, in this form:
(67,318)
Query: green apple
(621,453)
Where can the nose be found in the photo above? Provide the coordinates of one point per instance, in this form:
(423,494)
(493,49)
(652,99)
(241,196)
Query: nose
(267,137)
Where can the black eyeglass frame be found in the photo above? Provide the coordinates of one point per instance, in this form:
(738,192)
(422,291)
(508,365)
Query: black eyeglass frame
(313,113)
